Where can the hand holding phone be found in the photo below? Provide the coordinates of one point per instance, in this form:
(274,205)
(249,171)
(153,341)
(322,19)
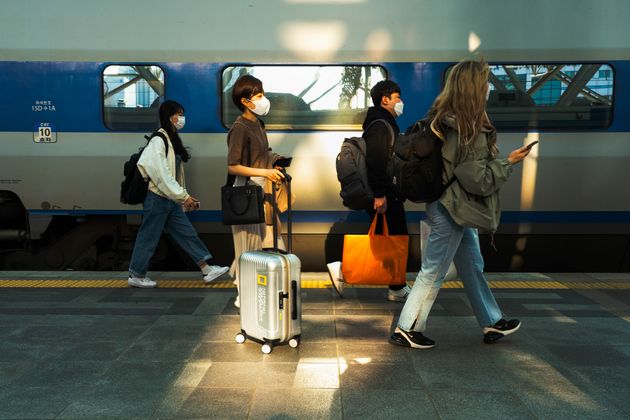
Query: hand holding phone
(530,145)
(521,153)
(197,205)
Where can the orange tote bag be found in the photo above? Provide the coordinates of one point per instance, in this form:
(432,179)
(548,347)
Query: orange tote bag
(375,259)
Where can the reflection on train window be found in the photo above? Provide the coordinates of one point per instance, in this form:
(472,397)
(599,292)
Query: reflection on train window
(308,97)
(131,97)
(551,95)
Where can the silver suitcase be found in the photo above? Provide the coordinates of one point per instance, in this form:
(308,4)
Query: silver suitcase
(270,294)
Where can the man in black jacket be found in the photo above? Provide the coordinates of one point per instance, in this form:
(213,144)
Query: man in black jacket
(379,138)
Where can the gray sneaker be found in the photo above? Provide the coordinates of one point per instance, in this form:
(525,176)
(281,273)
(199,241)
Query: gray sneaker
(398,295)
(142,282)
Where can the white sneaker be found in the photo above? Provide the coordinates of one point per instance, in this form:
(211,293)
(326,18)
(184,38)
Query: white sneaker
(215,272)
(336,276)
(398,295)
(237,301)
(143,282)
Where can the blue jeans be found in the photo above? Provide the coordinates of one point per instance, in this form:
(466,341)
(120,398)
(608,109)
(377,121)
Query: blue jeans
(449,242)
(161,214)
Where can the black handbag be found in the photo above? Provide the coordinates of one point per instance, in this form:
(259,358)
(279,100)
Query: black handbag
(242,205)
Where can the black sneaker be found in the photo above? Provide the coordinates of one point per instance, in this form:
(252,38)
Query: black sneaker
(500,330)
(411,339)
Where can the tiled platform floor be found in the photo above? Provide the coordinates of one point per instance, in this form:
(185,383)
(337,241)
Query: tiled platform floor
(170,353)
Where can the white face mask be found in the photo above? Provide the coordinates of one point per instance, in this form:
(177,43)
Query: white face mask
(261,106)
(488,93)
(398,108)
(181,121)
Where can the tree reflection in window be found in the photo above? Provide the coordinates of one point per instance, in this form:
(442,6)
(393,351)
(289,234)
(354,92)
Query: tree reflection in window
(308,96)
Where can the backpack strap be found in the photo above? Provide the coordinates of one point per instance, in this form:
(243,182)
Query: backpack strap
(231,178)
(390,145)
(450,182)
(249,144)
(389,128)
(453,178)
(160,134)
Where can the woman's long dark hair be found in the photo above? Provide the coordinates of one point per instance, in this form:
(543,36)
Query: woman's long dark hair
(167,110)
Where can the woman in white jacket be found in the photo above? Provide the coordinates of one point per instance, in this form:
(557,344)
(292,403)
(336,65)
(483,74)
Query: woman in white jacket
(163,208)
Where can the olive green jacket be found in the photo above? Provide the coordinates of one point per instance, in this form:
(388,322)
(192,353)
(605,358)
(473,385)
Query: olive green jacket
(473,199)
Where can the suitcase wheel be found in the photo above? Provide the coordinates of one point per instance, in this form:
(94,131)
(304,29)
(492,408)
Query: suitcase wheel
(266,348)
(240,338)
(294,342)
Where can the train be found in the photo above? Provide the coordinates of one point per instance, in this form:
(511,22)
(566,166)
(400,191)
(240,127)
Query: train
(81,82)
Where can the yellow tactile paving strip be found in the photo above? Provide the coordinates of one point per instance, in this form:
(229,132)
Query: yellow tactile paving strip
(306,284)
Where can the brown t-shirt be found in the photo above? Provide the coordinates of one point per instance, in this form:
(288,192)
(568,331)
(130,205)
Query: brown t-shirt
(243,130)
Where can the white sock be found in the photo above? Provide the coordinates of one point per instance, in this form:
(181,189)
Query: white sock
(205,269)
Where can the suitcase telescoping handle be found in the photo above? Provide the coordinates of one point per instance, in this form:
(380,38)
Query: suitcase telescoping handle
(274,206)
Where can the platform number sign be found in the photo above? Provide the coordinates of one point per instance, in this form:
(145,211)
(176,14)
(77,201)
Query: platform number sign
(45,132)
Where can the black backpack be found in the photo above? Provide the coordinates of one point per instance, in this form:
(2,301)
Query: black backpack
(133,189)
(417,164)
(355,193)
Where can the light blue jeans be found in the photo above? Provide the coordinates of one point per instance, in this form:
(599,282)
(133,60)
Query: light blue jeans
(449,242)
(161,214)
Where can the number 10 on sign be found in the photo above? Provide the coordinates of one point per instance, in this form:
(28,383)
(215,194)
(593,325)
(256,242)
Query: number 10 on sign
(44,132)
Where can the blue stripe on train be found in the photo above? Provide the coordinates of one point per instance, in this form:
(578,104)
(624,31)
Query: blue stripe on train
(75,91)
(303,216)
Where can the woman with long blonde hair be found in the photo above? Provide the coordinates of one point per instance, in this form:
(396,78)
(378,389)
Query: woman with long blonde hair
(470,203)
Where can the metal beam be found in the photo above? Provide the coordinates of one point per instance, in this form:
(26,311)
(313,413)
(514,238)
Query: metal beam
(498,84)
(586,91)
(514,78)
(122,87)
(155,83)
(543,80)
(577,85)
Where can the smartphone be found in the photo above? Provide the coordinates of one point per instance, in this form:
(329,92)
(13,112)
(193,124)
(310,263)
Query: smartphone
(283,162)
(532,144)
(197,204)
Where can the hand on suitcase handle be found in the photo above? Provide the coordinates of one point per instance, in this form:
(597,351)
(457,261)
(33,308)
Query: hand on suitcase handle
(286,175)
(273,175)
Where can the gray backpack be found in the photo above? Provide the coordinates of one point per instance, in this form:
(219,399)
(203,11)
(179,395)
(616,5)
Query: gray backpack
(356,193)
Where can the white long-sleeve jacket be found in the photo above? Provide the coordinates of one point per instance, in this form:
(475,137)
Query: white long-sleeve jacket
(154,164)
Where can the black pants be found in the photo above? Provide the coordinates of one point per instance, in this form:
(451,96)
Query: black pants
(396,221)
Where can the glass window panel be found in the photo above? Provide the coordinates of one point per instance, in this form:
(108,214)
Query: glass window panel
(309,96)
(131,97)
(551,95)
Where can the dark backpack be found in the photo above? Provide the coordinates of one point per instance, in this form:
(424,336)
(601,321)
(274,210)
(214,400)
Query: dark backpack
(417,164)
(355,193)
(133,189)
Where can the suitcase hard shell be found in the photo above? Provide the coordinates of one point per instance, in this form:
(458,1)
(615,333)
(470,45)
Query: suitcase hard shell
(271,312)
(270,291)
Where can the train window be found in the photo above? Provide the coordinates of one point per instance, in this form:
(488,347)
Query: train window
(309,96)
(131,97)
(551,95)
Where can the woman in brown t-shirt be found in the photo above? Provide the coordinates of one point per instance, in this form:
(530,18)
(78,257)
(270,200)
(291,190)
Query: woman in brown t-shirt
(248,95)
